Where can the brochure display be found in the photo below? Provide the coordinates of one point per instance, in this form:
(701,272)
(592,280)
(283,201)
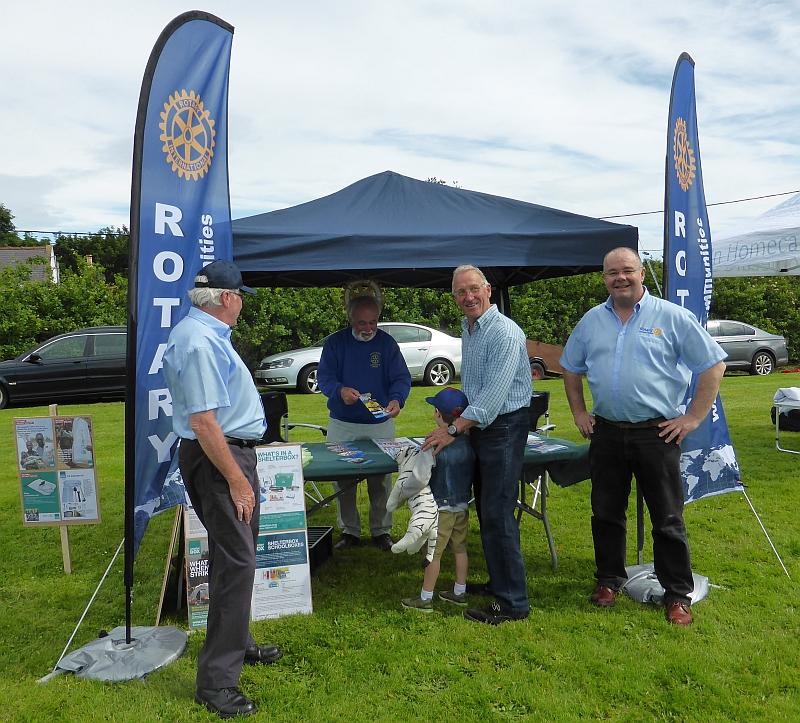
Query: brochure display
(55,459)
(282,584)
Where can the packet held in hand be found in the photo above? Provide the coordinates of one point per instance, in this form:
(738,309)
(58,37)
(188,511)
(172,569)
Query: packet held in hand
(374,407)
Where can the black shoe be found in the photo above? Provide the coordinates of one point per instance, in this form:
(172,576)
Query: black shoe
(347,540)
(493,615)
(262,654)
(484,589)
(225,702)
(382,542)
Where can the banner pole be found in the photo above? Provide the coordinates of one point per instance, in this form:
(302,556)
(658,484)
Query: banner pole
(766,534)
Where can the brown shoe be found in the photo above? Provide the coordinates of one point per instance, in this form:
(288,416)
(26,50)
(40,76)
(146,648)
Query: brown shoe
(678,613)
(603,596)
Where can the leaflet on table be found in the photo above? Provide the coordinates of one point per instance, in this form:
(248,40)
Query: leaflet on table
(392,446)
(542,444)
(348,452)
(376,409)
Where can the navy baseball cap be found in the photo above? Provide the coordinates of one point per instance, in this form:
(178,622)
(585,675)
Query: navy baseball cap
(449,401)
(221,274)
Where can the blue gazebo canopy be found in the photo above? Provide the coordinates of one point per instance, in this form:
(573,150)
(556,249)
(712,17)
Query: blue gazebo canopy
(403,232)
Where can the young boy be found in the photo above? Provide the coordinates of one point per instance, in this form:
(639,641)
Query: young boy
(451,482)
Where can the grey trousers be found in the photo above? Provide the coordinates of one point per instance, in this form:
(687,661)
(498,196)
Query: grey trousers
(378,486)
(232,562)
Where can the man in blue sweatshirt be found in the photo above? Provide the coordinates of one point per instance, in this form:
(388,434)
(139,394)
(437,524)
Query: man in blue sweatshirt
(359,360)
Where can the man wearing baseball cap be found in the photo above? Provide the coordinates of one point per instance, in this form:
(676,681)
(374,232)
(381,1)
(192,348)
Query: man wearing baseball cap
(218,415)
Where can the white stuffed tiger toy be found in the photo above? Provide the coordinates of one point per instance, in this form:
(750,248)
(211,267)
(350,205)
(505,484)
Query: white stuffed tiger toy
(414,473)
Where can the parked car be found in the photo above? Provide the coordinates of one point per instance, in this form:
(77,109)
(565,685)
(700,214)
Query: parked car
(83,365)
(432,357)
(544,359)
(749,347)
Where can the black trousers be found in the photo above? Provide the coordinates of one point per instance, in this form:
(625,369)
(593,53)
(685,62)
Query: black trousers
(615,456)
(232,562)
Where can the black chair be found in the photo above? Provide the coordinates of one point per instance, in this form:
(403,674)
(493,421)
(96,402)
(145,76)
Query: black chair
(276,410)
(540,407)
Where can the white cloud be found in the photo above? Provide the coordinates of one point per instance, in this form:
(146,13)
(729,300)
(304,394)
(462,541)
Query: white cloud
(562,104)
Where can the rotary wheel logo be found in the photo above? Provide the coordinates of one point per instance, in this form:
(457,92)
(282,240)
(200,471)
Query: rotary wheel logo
(187,131)
(683,155)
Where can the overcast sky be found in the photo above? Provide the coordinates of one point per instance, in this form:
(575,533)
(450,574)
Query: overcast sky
(560,104)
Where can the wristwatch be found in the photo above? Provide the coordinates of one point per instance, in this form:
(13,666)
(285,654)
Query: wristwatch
(452,430)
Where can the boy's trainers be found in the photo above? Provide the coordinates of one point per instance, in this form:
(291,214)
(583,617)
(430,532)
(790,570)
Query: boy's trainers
(451,597)
(417,603)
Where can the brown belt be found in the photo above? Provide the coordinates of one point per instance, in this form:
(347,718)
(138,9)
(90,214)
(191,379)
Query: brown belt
(632,425)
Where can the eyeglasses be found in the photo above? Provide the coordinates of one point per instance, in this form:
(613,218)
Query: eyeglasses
(628,271)
(461,293)
(235,292)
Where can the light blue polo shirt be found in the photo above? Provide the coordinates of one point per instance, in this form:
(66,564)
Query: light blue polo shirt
(204,372)
(641,369)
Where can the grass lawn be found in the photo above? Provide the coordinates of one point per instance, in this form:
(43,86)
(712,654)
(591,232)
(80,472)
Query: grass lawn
(361,657)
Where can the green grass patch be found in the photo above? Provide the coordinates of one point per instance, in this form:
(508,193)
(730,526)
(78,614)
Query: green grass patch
(360,657)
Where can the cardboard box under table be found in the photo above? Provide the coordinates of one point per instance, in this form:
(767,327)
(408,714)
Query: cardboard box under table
(546,458)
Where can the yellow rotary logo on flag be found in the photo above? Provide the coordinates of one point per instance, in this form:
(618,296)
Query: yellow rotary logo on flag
(187,131)
(683,155)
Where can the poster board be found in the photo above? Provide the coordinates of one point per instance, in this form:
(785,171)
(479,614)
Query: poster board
(282,583)
(56,465)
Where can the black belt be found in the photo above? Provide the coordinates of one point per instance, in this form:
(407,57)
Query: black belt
(632,425)
(242,442)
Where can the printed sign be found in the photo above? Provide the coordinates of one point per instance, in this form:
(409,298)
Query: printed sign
(55,460)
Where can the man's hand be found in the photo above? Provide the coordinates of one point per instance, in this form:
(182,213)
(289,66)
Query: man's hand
(393,408)
(243,499)
(674,430)
(349,395)
(209,435)
(585,423)
(437,440)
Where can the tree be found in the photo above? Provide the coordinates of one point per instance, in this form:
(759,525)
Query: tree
(108,248)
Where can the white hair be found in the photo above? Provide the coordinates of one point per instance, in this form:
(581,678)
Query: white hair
(203,296)
(359,301)
(465,268)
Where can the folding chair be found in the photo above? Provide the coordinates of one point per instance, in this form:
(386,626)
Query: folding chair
(276,410)
(538,483)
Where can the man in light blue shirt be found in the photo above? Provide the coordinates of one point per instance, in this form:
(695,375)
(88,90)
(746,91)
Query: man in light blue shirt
(217,412)
(638,353)
(496,378)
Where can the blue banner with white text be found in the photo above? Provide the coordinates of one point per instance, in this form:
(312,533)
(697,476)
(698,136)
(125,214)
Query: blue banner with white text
(708,460)
(180,221)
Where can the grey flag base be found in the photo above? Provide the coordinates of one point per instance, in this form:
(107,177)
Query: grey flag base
(643,585)
(112,658)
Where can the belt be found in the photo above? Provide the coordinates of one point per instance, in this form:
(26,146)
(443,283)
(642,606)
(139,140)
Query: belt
(632,425)
(242,442)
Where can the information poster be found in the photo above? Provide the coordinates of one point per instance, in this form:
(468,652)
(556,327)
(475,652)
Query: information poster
(55,459)
(282,584)
(283,574)
(196,569)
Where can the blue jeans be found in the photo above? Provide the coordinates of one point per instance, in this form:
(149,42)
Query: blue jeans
(616,455)
(500,449)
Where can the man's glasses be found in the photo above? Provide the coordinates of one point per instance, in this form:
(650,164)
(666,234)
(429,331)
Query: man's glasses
(621,272)
(461,293)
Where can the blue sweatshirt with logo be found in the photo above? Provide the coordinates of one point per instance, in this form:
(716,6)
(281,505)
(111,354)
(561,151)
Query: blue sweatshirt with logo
(374,366)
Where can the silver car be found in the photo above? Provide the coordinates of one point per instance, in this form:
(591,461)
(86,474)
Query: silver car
(433,357)
(748,347)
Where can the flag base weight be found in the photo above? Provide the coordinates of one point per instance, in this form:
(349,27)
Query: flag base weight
(112,658)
